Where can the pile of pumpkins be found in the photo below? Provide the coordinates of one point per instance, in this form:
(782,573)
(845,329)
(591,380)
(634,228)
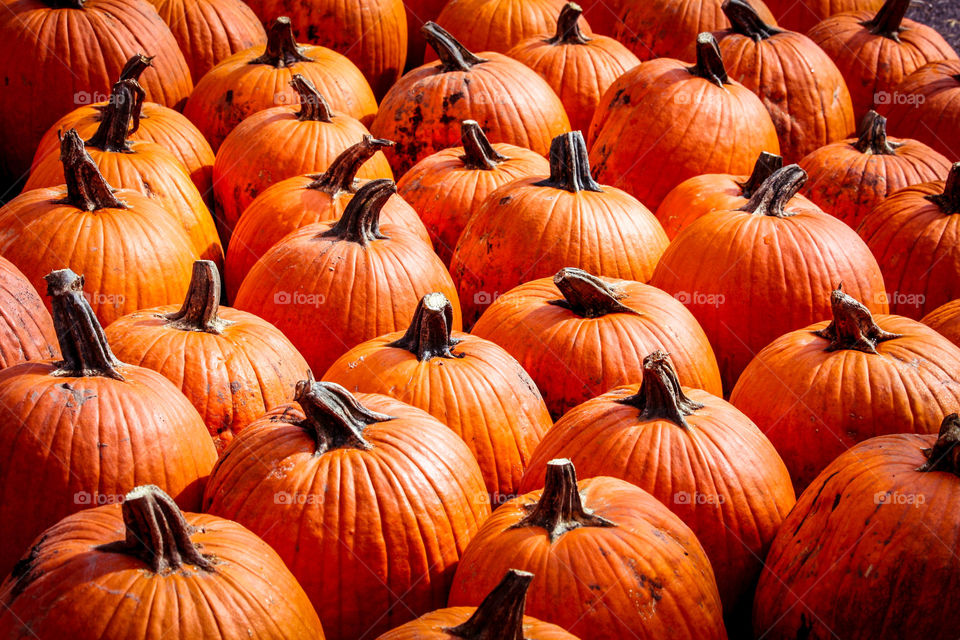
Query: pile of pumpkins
(483,319)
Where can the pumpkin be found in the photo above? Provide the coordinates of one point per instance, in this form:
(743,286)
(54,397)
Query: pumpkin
(139,166)
(382,495)
(468,383)
(61,54)
(944,321)
(849,178)
(86,429)
(259,78)
(95,574)
(499,615)
(578,68)
(532,227)
(447,187)
(798,83)
(26,328)
(283,142)
(132,252)
(879,521)
(296,202)
(927,106)
(695,453)
(509,101)
(876,50)
(580,335)
(802,16)
(612,562)
(665,121)
(796,252)
(916,239)
(820,390)
(160,124)
(419,12)
(208,31)
(232,365)
(330,286)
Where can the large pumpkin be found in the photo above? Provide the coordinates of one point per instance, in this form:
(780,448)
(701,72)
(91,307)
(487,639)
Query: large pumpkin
(579,335)
(330,286)
(97,573)
(470,384)
(26,328)
(611,561)
(945,320)
(509,101)
(86,429)
(795,253)
(666,121)
(927,106)
(801,16)
(530,228)
(869,550)
(377,501)
(817,391)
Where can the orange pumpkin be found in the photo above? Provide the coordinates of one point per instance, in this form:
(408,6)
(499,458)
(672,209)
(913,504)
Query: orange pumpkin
(927,107)
(945,320)
(26,329)
(802,16)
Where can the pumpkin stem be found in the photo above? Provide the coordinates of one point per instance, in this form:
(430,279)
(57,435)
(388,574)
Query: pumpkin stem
(453,55)
(949,200)
(872,137)
(944,455)
(587,295)
(428,335)
(766,164)
(135,67)
(312,105)
(745,21)
(560,508)
(888,20)
(65,4)
(334,417)
(281,50)
(120,118)
(341,175)
(157,533)
(87,189)
(568,26)
(360,221)
(200,307)
(660,396)
(478,153)
(570,165)
(500,615)
(852,326)
(709,61)
(775,192)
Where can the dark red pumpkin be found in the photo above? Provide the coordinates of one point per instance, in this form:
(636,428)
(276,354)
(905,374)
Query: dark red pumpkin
(26,328)
(926,107)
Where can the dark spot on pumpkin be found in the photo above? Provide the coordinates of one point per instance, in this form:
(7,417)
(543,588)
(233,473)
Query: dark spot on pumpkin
(815,499)
(313,34)
(77,398)
(806,628)
(505,199)
(24,572)
(228,97)
(454,98)
(620,97)
(235,386)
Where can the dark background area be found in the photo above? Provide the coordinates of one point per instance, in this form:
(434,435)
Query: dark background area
(942,15)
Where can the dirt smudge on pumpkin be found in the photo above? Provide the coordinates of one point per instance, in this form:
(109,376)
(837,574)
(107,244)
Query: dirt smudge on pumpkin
(77,397)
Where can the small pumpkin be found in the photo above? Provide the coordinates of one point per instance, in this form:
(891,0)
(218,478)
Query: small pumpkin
(801,17)
(26,328)
(530,228)
(945,320)
(930,112)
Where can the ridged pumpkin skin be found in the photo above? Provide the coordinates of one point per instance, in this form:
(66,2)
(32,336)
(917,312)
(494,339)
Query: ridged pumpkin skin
(945,320)
(814,403)
(932,115)
(594,335)
(435,625)
(71,586)
(509,101)
(881,527)
(801,17)
(664,122)
(388,523)
(26,328)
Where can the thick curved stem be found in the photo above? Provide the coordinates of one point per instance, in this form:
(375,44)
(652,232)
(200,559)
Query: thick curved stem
(453,55)
(745,21)
(852,326)
(281,50)
(872,137)
(500,615)
(360,221)
(709,61)
(568,26)
(341,175)
(334,418)
(87,189)
(660,396)
(949,200)
(587,295)
(478,153)
(570,165)
(313,106)
(428,335)
(767,163)
(944,455)
(776,191)
(200,307)
(120,118)
(135,67)
(889,19)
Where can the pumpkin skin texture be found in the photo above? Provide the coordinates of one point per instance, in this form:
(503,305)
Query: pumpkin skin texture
(605,533)
(944,320)
(199,576)
(849,178)
(232,365)
(876,50)
(592,335)
(59,55)
(818,391)
(532,227)
(468,383)
(801,17)
(26,328)
(666,109)
(877,520)
(259,78)
(89,428)
(381,490)
(795,252)
(933,117)
(330,286)
(509,101)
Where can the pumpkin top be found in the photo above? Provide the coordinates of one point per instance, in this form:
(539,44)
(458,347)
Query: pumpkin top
(568,26)
(341,175)
(428,335)
(660,396)
(949,200)
(745,20)
(852,326)
(313,106)
(709,61)
(453,55)
(765,166)
(202,302)
(776,191)
(135,66)
(120,118)
(872,137)
(570,165)
(334,418)
(587,295)
(64,4)
(500,615)
(157,533)
(560,508)
(478,153)
(281,49)
(360,221)
(87,189)
(889,19)
(944,455)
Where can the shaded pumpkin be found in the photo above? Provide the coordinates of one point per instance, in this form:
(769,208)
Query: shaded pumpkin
(26,328)
(801,16)
(933,115)
(86,429)
(945,320)
(530,228)
(199,576)
(419,12)
(372,486)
